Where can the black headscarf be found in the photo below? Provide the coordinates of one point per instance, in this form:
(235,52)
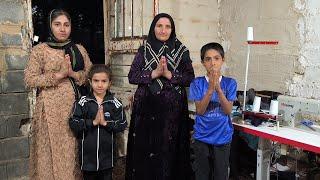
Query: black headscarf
(152,39)
(68,46)
(153,49)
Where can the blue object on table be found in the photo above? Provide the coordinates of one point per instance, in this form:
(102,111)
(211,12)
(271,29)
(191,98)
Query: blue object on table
(308,123)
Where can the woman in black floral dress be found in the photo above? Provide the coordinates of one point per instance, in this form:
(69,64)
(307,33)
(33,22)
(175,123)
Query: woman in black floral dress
(158,146)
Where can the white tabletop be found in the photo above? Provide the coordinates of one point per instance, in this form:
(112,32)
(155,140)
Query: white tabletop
(286,134)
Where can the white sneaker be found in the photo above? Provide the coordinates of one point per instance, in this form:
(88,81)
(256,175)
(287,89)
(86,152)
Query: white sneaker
(279,167)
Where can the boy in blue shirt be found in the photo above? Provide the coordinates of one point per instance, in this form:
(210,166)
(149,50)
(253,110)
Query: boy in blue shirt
(213,95)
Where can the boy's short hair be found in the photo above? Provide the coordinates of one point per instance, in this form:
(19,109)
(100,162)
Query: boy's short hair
(100,68)
(212,45)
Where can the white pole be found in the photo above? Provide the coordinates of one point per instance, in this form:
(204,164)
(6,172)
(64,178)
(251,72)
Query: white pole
(246,78)
(249,38)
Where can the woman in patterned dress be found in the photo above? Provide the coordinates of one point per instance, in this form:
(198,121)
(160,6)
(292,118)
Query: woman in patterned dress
(55,68)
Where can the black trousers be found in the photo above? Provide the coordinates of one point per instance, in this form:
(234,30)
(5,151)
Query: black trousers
(98,175)
(211,162)
(243,159)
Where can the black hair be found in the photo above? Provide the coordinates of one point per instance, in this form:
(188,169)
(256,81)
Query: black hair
(100,68)
(52,16)
(212,45)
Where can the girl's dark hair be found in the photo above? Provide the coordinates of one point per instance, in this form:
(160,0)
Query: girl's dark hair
(212,45)
(58,12)
(100,68)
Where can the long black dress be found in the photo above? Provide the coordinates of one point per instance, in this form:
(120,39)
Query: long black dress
(158,145)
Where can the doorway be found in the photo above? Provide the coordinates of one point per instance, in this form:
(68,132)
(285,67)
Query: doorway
(87,23)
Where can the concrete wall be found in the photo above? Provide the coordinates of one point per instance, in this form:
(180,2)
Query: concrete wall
(292,67)
(305,81)
(271,67)
(14,106)
(196,24)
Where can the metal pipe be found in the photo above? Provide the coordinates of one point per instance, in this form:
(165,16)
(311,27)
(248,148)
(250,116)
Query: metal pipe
(141,18)
(116,19)
(123,18)
(131,18)
(155,7)
(107,24)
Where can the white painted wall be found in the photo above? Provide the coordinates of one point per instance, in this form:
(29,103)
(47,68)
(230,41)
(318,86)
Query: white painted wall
(306,79)
(292,67)
(196,24)
(271,67)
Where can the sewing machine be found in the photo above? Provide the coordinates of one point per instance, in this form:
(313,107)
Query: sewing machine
(300,113)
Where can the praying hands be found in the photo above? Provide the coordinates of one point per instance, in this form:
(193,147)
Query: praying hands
(161,70)
(100,120)
(69,72)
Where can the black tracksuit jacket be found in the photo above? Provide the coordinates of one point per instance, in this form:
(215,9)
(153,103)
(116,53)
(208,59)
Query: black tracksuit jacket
(97,143)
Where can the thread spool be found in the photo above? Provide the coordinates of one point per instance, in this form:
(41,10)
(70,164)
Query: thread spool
(274,107)
(256,104)
(250,34)
(35,38)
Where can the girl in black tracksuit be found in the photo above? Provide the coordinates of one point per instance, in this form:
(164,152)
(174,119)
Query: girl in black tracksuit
(95,120)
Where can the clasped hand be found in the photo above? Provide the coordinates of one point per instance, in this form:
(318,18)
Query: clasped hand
(100,120)
(214,83)
(162,69)
(69,72)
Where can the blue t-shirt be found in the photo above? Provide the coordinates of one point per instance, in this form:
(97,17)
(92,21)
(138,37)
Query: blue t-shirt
(214,126)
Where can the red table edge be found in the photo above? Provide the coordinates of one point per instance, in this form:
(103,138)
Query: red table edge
(278,139)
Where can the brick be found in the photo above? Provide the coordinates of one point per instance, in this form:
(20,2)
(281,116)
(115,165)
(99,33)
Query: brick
(11,104)
(120,70)
(3,127)
(13,82)
(14,148)
(14,123)
(21,178)
(10,125)
(17,169)
(11,10)
(122,82)
(16,62)
(3,171)
(122,59)
(11,39)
